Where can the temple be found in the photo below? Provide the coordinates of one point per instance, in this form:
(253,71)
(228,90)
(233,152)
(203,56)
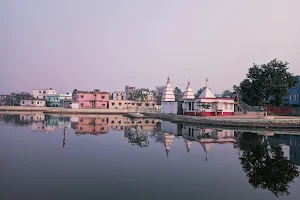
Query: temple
(207,104)
(168,103)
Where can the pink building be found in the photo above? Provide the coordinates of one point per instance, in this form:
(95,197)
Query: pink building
(93,99)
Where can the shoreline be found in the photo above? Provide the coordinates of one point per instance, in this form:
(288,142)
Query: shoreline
(280,122)
(226,122)
(52,110)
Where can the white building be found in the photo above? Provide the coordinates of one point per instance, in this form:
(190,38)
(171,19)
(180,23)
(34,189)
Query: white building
(168,103)
(207,104)
(42,93)
(119,95)
(33,102)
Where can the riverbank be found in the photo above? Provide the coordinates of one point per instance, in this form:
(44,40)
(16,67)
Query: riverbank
(234,121)
(71,111)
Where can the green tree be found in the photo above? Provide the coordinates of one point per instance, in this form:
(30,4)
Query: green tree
(265,164)
(227,93)
(197,95)
(178,94)
(265,81)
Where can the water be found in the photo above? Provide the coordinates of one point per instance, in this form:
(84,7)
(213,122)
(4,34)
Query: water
(112,157)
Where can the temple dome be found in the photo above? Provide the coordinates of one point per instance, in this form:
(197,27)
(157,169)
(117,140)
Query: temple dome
(189,94)
(168,94)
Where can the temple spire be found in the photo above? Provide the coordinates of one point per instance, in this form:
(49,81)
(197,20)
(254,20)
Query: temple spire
(168,94)
(189,94)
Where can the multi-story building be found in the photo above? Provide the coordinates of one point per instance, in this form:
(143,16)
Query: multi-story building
(42,93)
(293,98)
(59,100)
(93,99)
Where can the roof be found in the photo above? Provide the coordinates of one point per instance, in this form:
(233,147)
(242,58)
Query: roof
(189,94)
(168,94)
(207,93)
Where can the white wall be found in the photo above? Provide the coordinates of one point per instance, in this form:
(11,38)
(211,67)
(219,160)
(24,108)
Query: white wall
(169,107)
(168,127)
(75,105)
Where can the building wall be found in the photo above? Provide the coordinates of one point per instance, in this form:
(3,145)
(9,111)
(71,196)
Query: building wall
(169,107)
(42,93)
(93,99)
(217,107)
(32,117)
(169,127)
(118,96)
(33,103)
(127,104)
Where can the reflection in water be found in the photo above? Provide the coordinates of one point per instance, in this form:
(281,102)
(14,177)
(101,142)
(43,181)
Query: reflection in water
(261,157)
(265,164)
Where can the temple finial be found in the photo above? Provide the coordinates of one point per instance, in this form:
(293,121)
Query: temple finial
(206,82)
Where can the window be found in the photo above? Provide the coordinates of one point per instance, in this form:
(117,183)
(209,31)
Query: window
(32,102)
(82,104)
(132,104)
(291,97)
(120,104)
(147,104)
(296,97)
(153,104)
(38,102)
(103,97)
(40,91)
(23,102)
(120,122)
(82,96)
(56,98)
(103,105)
(113,122)
(112,103)
(44,92)
(49,99)
(139,104)
(225,106)
(146,122)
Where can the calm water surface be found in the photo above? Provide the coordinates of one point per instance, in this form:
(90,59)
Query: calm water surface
(112,157)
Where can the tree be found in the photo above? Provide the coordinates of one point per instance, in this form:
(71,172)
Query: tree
(139,95)
(267,83)
(227,93)
(265,164)
(197,95)
(75,91)
(158,93)
(178,94)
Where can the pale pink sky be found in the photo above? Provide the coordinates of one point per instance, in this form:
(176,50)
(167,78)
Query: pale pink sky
(86,44)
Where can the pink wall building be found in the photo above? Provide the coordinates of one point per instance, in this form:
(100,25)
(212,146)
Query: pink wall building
(94,99)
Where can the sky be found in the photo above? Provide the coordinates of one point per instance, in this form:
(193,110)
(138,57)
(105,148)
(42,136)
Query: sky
(97,44)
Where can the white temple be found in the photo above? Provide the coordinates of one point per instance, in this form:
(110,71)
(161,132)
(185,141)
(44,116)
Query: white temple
(189,94)
(168,103)
(207,104)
